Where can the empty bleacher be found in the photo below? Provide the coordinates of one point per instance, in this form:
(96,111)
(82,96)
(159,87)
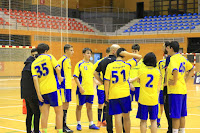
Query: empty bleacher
(32,20)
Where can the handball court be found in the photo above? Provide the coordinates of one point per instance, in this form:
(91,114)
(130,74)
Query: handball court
(13,121)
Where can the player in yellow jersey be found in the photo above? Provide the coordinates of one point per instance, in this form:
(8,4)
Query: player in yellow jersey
(161,67)
(134,73)
(83,76)
(101,96)
(149,77)
(117,89)
(178,71)
(66,85)
(46,76)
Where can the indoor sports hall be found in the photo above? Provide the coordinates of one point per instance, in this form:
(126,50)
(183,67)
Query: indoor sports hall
(96,24)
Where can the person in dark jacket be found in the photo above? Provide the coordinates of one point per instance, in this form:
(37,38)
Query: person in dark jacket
(28,93)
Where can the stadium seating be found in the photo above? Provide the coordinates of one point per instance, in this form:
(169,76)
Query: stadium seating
(41,20)
(166,23)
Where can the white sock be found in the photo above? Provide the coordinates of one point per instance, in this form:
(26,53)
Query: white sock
(182,130)
(174,130)
(91,123)
(79,122)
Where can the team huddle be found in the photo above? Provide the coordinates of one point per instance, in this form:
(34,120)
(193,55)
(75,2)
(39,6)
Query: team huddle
(117,82)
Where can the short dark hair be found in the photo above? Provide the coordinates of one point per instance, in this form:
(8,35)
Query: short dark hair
(42,47)
(67,47)
(167,43)
(86,49)
(150,59)
(33,50)
(108,50)
(136,47)
(119,51)
(175,46)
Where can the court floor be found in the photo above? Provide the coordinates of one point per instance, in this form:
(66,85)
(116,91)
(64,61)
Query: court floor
(13,121)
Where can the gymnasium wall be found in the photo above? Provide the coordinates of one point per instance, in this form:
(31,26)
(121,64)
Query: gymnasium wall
(56,47)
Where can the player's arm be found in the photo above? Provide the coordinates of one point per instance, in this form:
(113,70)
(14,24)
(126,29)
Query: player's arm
(97,77)
(107,79)
(132,87)
(79,85)
(133,79)
(175,78)
(37,88)
(57,68)
(189,70)
(106,86)
(58,71)
(127,54)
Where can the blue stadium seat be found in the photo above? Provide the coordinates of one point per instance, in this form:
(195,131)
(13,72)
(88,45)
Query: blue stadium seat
(136,24)
(194,14)
(174,18)
(155,23)
(164,19)
(131,27)
(155,19)
(196,20)
(159,16)
(159,22)
(190,21)
(185,21)
(154,29)
(184,14)
(149,29)
(159,19)
(180,21)
(135,27)
(145,29)
(126,31)
(181,28)
(165,28)
(141,20)
(154,26)
(145,17)
(175,25)
(139,30)
(135,30)
(179,15)
(189,14)
(190,17)
(149,26)
(150,16)
(181,24)
(192,27)
(145,23)
(160,25)
(197,24)
(165,25)
(149,23)
(185,17)
(140,27)
(174,15)
(169,22)
(170,28)
(192,24)
(149,20)
(140,24)
(131,30)
(185,24)
(187,28)
(159,29)
(179,18)
(154,16)
(174,21)
(175,28)
(169,25)
(145,26)
(164,16)
(145,20)
(169,18)
(165,22)
(195,17)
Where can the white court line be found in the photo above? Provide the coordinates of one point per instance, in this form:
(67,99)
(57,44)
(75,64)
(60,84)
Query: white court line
(11,106)
(12,129)
(9,79)
(11,99)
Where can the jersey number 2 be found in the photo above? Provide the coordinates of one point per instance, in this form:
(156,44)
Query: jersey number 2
(41,72)
(114,75)
(148,84)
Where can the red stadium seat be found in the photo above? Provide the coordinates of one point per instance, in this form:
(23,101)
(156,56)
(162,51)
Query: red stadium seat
(5,9)
(13,17)
(15,11)
(18,21)
(43,13)
(1,9)
(7,13)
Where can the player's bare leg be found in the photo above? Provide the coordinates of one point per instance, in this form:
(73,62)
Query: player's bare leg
(59,118)
(143,126)
(44,118)
(127,122)
(78,112)
(89,111)
(153,126)
(118,123)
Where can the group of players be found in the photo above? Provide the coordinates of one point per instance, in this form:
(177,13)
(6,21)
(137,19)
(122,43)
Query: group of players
(117,82)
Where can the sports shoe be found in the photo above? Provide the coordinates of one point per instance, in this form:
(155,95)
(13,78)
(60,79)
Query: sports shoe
(158,125)
(34,132)
(67,130)
(99,124)
(94,127)
(104,123)
(79,127)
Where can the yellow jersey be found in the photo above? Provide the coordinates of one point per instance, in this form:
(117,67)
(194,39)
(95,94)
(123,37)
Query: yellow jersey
(84,71)
(182,65)
(65,65)
(161,67)
(99,87)
(44,67)
(149,79)
(134,73)
(117,73)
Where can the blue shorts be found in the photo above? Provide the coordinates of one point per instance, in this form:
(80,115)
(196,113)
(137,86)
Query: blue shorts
(118,106)
(53,98)
(177,105)
(82,99)
(143,111)
(137,93)
(161,98)
(66,95)
(132,94)
(101,96)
